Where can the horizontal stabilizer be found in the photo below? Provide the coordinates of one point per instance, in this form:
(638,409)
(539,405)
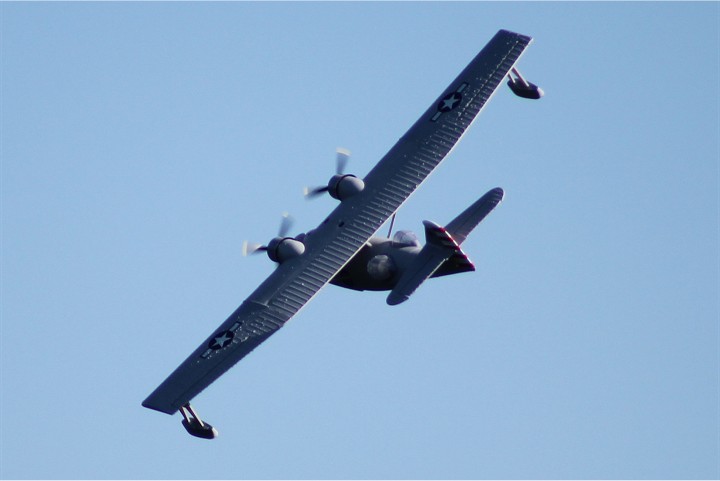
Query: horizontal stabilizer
(461,226)
(429,259)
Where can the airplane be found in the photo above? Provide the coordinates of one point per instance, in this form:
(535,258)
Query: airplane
(343,250)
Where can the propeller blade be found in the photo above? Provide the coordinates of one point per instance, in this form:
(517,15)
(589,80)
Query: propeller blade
(314,192)
(252,248)
(343,155)
(285,225)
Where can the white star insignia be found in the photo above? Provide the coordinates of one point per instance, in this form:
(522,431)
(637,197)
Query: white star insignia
(220,341)
(449,102)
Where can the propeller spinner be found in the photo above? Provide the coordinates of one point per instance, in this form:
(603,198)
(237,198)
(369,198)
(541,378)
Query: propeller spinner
(341,186)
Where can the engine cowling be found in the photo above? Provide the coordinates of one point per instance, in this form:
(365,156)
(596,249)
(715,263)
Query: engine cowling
(281,249)
(342,187)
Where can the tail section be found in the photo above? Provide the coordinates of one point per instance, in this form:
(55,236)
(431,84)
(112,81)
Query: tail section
(442,254)
(461,226)
(457,261)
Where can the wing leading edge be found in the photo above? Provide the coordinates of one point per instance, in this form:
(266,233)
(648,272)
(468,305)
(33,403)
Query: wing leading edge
(349,226)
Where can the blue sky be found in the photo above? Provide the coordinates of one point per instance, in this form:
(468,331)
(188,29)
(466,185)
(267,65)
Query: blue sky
(143,142)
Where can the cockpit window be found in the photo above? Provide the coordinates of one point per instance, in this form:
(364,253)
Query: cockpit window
(405,238)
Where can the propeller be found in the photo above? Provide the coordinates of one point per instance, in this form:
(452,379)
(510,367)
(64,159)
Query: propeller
(341,160)
(253,247)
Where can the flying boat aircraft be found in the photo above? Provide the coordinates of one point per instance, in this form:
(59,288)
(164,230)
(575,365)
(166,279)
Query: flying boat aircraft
(344,250)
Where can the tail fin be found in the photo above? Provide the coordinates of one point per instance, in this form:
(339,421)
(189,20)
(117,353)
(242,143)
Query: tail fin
(457,261)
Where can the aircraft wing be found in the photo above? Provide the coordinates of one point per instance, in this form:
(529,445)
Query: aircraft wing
(349,226)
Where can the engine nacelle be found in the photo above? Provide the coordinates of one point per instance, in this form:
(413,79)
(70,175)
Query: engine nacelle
(342,187)
(281,249)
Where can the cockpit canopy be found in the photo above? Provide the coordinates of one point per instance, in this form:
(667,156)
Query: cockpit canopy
(405,238)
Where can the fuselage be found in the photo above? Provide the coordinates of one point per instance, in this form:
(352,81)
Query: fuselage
(379,264)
